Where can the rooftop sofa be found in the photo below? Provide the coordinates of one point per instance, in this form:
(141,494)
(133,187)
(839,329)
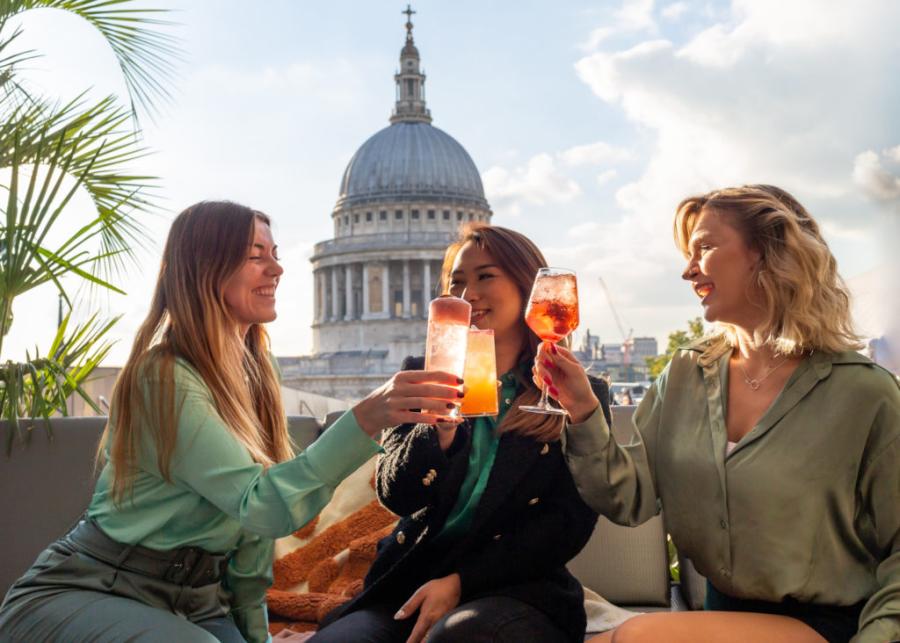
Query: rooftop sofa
(46,485)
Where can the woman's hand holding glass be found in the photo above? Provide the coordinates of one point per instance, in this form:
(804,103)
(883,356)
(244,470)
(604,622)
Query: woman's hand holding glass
(409,397)
(556,368)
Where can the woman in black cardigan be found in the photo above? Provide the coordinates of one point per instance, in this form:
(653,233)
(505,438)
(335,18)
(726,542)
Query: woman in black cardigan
(490,513)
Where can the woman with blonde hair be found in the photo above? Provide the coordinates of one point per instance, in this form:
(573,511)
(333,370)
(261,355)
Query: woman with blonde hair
(200,475)
(772,445)
(489,512)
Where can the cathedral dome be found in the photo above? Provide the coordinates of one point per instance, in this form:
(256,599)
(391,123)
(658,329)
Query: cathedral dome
(411,160)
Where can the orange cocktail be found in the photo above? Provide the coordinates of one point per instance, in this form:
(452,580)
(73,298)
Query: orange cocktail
(480,375)
(552,314)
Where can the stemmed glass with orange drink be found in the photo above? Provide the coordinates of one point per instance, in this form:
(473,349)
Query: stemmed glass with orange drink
(552,314)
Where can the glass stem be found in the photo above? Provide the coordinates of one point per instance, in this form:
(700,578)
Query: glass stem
(545,402)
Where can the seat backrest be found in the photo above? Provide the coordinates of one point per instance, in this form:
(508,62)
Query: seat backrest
(46,485)
(626,565)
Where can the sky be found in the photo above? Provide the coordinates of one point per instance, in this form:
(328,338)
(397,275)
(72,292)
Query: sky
(589,122)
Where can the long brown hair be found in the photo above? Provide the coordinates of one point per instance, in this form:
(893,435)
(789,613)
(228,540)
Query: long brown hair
(189,319)
(806,302)
(520,259)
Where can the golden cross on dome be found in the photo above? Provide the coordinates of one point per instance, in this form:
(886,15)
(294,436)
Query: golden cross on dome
(409,14)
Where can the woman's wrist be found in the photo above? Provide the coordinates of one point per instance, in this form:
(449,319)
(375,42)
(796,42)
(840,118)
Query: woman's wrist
(580,412)
(364,418)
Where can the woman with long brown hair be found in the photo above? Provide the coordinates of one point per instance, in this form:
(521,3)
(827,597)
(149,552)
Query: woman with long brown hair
(489,512)
(772,446)
(200,475)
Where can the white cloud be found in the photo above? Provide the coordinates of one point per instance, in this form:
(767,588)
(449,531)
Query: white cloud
(764,112)
(595,154)
(770,92)
(674,11)
(874,178)
(537,182)
(605,177)
(632,16)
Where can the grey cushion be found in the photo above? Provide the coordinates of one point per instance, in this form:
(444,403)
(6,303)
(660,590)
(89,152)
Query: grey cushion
(47,485)
(626,565)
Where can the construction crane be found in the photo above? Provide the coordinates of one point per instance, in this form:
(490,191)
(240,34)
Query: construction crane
(627,339)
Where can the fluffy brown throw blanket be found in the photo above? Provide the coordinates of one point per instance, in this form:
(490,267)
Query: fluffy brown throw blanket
(322,565)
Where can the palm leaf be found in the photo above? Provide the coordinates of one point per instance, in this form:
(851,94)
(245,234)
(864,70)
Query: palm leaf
(145,54)
(41,386)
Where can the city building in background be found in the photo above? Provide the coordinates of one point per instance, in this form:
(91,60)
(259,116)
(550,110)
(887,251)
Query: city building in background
(402,198)
(623,361)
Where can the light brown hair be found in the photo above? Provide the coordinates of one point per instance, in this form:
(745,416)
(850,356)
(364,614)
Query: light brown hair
(807,303)
(520,259)
(189,319)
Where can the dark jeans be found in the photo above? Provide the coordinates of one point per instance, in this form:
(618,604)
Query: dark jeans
(494,619)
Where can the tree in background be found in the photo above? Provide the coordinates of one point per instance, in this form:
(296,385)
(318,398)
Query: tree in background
(677,339)
(51,150)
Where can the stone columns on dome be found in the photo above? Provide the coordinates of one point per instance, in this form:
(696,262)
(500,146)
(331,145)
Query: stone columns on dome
(364,313)
(426,286)
(406,290)
(335,302)
(320,296)
(386,290)
(348,291)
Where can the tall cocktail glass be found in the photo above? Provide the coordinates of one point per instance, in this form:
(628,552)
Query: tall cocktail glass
(480,375)
(448,334)
(552,314)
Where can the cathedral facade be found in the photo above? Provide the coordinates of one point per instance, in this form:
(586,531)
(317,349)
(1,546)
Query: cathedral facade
(403,196)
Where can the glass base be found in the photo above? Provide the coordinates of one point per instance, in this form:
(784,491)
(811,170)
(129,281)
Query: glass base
(545,410)
(480,415)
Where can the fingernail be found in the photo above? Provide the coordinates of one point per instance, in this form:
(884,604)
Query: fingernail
(548,381)
(554,392)
(548,363)
(459,394)
(399,614)
(459,380)
(553,349)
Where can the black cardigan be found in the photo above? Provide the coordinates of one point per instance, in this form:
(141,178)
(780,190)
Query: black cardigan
(529,523)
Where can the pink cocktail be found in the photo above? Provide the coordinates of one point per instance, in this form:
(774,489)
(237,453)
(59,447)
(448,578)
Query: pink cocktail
(448,334)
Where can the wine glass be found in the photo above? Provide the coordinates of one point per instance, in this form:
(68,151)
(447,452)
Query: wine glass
(552,314)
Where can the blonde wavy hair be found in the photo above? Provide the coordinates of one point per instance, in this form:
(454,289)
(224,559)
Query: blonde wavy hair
(807,303)
(189,319)
(520,259)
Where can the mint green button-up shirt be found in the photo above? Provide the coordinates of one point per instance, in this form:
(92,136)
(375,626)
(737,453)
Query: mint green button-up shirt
(221,500)
(806,506)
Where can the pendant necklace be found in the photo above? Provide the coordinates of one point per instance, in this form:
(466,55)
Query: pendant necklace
(754,383)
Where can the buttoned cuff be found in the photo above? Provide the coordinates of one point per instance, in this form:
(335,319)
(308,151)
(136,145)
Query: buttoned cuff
(586,437)
(341,450)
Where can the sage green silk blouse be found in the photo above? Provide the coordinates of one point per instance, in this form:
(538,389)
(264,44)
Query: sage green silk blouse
(220,499)
(806,506)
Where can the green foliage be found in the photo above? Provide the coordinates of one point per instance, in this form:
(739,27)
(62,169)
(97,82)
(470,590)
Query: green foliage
(677,339)
(40,386)
(49,152)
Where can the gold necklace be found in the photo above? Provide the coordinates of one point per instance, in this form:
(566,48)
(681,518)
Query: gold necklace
(754,383)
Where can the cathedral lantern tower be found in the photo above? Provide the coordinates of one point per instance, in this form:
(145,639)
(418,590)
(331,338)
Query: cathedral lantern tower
(403,196)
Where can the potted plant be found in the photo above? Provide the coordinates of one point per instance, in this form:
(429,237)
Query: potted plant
(49,152)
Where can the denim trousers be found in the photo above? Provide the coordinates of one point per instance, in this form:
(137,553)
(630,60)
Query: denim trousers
(492,619)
